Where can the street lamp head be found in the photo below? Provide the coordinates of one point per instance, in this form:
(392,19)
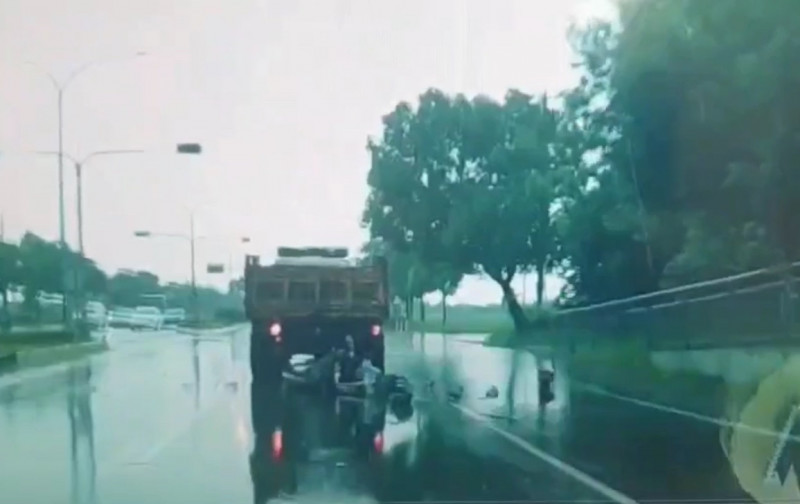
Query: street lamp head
(142,234)
(141,53)
(245,239)
(189,148)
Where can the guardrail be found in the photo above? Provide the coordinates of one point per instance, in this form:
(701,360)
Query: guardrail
(753,306)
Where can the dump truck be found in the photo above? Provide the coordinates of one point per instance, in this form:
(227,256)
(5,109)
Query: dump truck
(308,301)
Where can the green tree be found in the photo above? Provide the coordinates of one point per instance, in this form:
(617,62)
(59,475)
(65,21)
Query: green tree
(42,264)
(444,279)
(10,274)
(468,186)
(690,106)
(126,287)
(407,276)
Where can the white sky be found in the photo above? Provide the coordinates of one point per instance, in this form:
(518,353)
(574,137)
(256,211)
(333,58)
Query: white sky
(282,95)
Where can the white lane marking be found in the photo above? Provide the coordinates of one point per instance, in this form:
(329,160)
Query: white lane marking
(593,389)
(146,457)
(581,477)
(771,474)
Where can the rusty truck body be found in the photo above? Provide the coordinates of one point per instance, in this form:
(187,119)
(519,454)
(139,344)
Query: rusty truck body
(308,301)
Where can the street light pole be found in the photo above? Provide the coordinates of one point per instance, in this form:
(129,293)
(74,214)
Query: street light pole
(61,87)
(194,274)
(62,234)
(62,238)
(79,165)
(192,239)
(79,183)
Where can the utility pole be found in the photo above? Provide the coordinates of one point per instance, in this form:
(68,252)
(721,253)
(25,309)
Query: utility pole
(80,164)
(62,238)
(192,239)
(194,273)
(79,182)
(61,87)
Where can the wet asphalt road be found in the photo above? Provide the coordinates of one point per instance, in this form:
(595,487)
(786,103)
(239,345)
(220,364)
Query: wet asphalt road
(169,417)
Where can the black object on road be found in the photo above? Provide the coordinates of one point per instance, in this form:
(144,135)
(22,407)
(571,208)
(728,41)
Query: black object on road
(546,394)
(456,395)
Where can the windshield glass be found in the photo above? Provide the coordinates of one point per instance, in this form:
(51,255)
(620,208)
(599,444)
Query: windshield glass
(399,251)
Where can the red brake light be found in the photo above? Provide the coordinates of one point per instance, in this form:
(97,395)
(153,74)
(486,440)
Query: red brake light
(275,331)
(376,330)
(377,442)
(277,444)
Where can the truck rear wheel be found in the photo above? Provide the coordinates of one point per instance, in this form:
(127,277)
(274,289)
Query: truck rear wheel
(265,362)
(379,360)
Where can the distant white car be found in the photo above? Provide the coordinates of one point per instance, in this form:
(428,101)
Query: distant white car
(148,317)
(174,316)
(96,314)
(122,317)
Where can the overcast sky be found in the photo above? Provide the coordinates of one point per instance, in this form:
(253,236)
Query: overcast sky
(281,94)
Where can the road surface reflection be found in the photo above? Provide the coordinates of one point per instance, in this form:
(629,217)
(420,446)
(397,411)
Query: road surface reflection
(83,464)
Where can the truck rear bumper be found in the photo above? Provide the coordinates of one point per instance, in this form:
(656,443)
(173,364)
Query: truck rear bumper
(318,338)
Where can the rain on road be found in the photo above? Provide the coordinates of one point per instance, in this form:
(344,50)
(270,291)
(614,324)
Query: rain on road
(170,417)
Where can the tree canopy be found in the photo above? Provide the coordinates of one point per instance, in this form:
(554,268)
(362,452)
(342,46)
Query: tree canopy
(672,160)
(35,266)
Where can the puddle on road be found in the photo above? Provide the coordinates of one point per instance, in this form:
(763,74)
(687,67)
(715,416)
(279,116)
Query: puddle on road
(752,390)
(314,448)
(458,362)
(756,387)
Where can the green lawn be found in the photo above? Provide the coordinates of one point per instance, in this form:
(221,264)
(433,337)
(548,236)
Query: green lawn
(9,348)
(206,324)
(464,319)
(36,336)
(472,319)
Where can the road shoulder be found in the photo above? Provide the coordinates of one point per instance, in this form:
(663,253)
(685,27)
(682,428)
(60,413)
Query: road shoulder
(24,357)
(211,332)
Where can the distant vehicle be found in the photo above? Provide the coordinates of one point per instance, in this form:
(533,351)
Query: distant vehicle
(148,317)
(46,298)
(96,314)
(308,302)
(174,316)
(122,317)
(156,300)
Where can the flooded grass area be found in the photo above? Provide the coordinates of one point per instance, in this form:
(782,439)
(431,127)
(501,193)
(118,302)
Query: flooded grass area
(469,319)
(712,381)
(10,348)
(26,338)
(462,319)
(717,382)
(630,368)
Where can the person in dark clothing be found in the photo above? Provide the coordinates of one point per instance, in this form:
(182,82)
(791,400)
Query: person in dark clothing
(349,364)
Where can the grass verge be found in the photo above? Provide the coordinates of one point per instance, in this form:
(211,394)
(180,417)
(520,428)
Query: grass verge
(211,329)
(37,346)
(468,319)
(53,354)
(625,367)
(206,324)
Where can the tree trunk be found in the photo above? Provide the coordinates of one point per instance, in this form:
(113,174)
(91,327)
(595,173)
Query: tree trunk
(521,321)
(5,318)
(788,298)
(422,310)
(444,309)
(540,269)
